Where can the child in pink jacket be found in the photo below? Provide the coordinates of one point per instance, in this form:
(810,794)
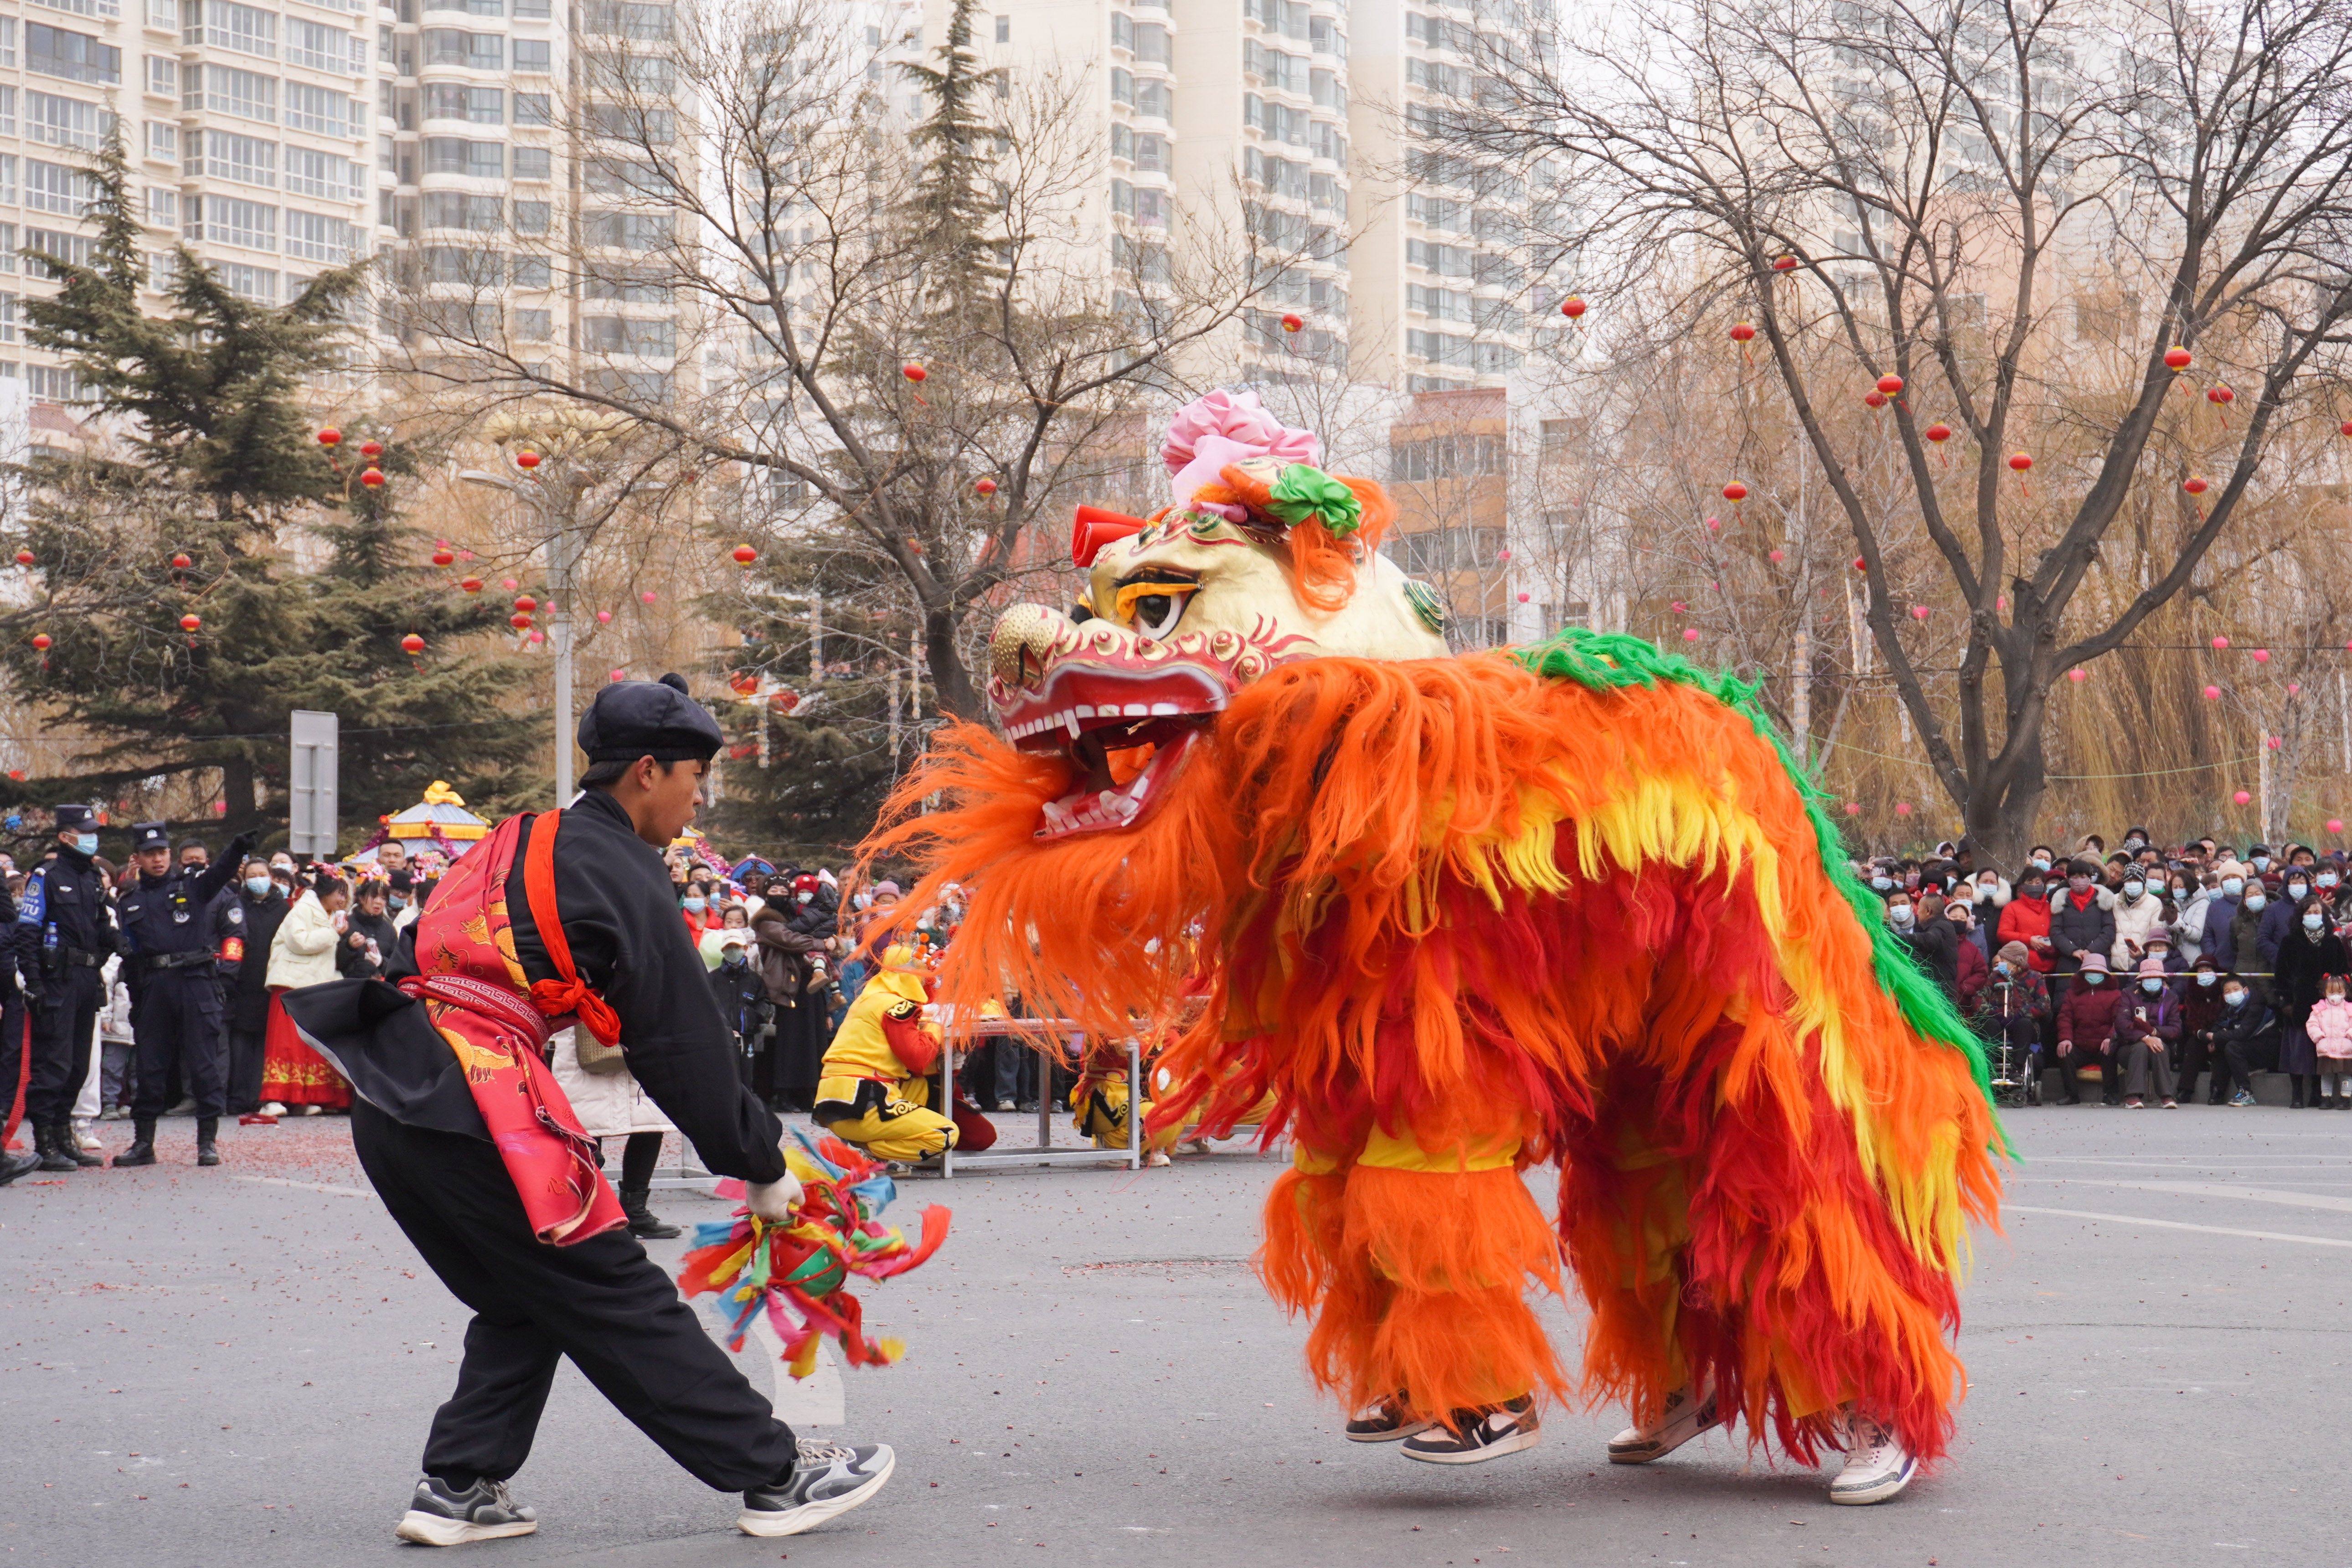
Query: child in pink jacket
(2330,1028)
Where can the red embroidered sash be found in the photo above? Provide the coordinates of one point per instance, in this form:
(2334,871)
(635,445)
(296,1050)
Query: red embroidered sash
(497,1024)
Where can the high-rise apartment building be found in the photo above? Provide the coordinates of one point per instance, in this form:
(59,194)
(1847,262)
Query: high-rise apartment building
(246,128)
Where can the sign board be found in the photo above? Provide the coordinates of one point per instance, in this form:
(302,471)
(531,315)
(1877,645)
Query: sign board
(310,796)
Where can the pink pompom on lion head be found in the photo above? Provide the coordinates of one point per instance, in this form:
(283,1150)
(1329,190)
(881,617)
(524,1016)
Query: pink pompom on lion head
(1220,427)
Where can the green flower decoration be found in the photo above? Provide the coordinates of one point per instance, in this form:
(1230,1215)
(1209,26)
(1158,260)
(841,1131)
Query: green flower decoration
(1303,492)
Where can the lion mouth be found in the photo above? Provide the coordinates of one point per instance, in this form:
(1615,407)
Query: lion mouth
(1084,714)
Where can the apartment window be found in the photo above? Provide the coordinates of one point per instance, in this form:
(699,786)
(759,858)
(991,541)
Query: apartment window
(630,288)
(627,335)
(476,7)
(327,174)
(627,231)
(534,109)
(532,164)
(54,383)
(611,70)
(464,263)
(7,318)
(315,236)
(1005,29)
(64,121)
(532,217)
(1122,141)
(476,105)
(76,57)
(226,25)
(244,94)
(1156,100)
(56,188)
(225,220)
(646,127)
(162,207)
(476,51)
(323,111)
(533,56)
(320,47)
(531,10)
(164,14)
(163,76)
(451,209)
(454,155)
(651,24)
(1122,31)
(7,43)
(163,140)
(7,179)
(246,160)
(530,326)
(1151,43)
(1122,86)
(1151,154)
(533,272)
(258,284)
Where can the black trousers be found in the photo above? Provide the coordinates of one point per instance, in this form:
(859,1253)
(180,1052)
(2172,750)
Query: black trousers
(63,1026)
(243,1084)
(602,1303)
(178,1031)
(12,1050)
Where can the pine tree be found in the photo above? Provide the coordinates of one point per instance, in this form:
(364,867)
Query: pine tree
(960,219)
(220,464)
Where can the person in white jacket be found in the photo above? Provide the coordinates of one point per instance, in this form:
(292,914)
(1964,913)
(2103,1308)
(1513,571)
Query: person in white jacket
(2139,913)
(2190,897)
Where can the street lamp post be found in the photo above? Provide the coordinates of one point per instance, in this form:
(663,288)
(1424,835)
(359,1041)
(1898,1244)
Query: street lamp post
(556,499)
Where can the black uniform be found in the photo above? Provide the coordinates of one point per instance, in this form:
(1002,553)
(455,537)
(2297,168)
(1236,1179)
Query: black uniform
(600,1301)
(65,933)
(172,963)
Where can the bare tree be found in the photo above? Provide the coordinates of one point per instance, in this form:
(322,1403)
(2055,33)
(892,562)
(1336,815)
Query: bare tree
(1884,188)
(925,334)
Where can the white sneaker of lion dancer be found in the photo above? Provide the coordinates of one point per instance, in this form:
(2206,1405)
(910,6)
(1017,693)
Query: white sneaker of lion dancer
(1877,1466)
(1686,1414)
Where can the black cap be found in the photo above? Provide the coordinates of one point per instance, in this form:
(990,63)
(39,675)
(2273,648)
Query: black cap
(74,816)
(149,836)
(401,881)
(656,718)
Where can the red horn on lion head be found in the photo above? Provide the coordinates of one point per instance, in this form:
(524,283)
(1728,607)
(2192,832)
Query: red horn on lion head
(1094,528)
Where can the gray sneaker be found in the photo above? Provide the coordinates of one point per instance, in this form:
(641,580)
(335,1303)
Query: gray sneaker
(831,1479)
(443,1515)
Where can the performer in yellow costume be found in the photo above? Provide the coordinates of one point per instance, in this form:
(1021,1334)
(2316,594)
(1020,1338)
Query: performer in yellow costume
(1566,905)
(871,1090)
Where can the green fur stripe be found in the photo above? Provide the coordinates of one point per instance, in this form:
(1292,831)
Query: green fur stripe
(1607,661)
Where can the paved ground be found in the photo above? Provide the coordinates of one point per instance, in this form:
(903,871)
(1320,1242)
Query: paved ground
(234,1368)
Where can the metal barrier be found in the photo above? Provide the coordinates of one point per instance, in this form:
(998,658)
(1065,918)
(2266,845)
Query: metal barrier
(1044,1153)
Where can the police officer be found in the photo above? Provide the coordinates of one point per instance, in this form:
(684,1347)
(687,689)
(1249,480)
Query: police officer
(172,970)
(65,933)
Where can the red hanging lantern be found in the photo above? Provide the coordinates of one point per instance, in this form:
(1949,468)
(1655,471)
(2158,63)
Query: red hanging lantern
(2019,462)
(2177,358)
(2261,656)
(744,554)
(2213,694)
(2078,676)
(1939,432)
(1292,323)
(914,372)
(1572,307)
(370,450)
(471,584)
(1874,400)
(2194,485)
(1860,564)
(2242,798)
(1784,264)
(2219,397)
(2345,428)
(445,556)
(525,604)
(1742,333)
(372,478)
(24,558)
(1891,384)
(1734,492)
(412,645)
(180,562)
(526,459)
(41,642)
(983,488)
(328,437)
(520,621)
(2221,643)
(191,621)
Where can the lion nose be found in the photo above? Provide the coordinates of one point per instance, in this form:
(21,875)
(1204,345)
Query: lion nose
(1026,639)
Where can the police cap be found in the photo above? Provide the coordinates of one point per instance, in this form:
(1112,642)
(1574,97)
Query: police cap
(74,816)
(656,718)
(149,835)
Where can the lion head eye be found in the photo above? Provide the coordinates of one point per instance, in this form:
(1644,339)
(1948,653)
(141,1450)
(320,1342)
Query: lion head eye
(1153,608)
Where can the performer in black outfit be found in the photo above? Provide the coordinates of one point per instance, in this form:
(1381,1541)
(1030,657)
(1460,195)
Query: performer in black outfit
(423,1141)
(172,962)
(65,933)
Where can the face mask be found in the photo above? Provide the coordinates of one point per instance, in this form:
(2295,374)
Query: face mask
(2151,986)
(2312,922)
(2256,900)
(2234,998)
(808,898)
(2298,890)
(87,842)
(2327,878)
(2134,890)
(863,900)
(733,961)
(257,886)
(1986,893)
(2093,976)
(2180,895)
(2261,862)
(2041,863)
(1901,917)
(2034,889)
(1881,882)
(2233,886)
(2207,979)
(696,904)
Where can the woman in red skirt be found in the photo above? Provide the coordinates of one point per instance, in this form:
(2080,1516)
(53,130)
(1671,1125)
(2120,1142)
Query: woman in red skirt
(302,954)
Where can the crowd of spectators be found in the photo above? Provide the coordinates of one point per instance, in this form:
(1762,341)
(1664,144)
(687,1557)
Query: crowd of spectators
(2144,969)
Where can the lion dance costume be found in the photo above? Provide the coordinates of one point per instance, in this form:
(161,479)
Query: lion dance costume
(1568,905)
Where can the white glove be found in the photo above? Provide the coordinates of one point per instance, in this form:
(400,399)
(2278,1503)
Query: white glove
(773,1201)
